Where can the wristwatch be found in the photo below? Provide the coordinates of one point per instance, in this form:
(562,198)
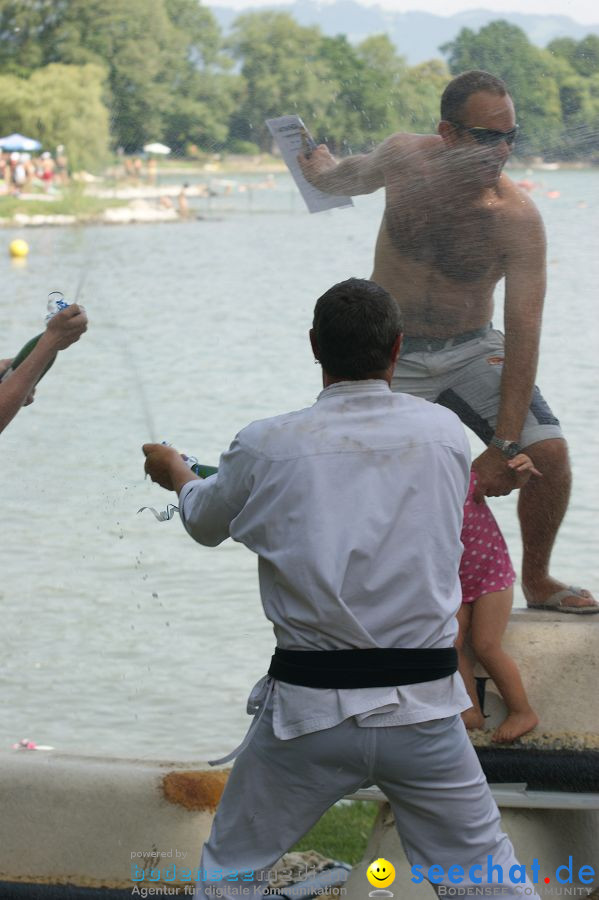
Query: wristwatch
(508,448)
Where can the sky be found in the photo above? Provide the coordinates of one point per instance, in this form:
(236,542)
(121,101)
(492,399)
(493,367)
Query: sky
(584,11)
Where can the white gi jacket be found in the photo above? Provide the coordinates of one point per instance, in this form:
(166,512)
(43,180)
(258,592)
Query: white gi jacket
(354,507)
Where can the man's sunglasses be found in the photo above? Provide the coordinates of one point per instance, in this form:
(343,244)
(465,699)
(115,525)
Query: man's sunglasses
(488,136)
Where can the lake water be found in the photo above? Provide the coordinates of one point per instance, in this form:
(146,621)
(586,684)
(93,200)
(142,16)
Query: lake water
(119,634)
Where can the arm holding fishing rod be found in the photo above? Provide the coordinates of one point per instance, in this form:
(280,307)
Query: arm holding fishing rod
(19,377)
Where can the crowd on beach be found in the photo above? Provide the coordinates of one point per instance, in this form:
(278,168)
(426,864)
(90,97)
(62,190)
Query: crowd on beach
(21,172)
(27,175)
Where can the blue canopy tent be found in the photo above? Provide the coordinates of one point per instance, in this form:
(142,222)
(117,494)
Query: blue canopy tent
(15,142)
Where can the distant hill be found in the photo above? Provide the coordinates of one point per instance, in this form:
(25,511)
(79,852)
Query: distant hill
(417,35)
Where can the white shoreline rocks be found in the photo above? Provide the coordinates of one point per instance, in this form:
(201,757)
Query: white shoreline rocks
(135,212)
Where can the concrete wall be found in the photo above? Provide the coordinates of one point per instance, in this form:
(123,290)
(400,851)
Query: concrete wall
(550,836)
(83,820)
(558,657)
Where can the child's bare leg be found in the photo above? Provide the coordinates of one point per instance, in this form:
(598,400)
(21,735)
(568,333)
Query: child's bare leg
(472,718)
(489,621)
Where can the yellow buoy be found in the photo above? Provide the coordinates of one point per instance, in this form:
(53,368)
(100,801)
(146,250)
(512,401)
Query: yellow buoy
(18,248)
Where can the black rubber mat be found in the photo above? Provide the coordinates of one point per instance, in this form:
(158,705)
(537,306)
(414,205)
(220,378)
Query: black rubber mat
(542,770)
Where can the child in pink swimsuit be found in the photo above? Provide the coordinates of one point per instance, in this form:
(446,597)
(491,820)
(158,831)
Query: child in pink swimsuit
(487,577)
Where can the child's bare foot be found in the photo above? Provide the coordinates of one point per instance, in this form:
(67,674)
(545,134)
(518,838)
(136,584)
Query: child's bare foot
(473,718)
(514,726)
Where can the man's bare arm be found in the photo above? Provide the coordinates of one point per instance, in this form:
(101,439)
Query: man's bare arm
(361,174)
(64,329)
(525,284)
(524,296)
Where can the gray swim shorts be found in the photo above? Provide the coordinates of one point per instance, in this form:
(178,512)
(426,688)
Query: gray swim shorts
(463,373)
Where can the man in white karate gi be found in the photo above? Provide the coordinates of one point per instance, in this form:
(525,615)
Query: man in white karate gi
(354,508)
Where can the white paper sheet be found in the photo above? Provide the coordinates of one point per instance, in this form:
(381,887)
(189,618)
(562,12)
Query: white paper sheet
(288,132)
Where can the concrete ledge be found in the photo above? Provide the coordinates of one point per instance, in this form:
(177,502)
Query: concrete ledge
(558,658)
(85,821)
(551,836)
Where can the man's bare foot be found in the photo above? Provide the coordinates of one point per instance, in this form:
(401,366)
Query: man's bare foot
(473,718)
(514,726)
(550,594)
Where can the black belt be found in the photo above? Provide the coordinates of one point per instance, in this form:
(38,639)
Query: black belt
(417,344)
(380,667)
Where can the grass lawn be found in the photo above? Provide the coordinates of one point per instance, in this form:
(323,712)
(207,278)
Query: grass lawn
(343,831)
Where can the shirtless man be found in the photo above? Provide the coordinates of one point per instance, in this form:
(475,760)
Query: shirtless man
(454,225)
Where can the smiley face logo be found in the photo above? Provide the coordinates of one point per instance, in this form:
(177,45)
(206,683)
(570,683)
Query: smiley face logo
(380,873)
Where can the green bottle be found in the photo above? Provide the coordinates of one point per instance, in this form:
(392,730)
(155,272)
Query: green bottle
(23,354)
(196,467)
(203,471)
(56,302)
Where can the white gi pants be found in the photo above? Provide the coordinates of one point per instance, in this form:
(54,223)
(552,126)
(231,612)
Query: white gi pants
(277,790)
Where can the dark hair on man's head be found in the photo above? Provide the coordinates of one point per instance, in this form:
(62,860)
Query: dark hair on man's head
(356,323)
(463,86)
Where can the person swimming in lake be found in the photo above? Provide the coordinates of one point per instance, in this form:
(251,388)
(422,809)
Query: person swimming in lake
(487,578)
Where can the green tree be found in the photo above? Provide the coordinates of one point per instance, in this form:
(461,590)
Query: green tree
(364,83)
(564,47)
(59,105)
(341,125)
(282,73)
(419,95)
(577,68)
(379,94)
(586,56)
(583,55)
(161,57)
(204,92)
(383,74)
(579,117)
(147,57)
(24,35)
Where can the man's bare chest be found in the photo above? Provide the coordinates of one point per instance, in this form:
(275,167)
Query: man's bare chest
(461,244)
